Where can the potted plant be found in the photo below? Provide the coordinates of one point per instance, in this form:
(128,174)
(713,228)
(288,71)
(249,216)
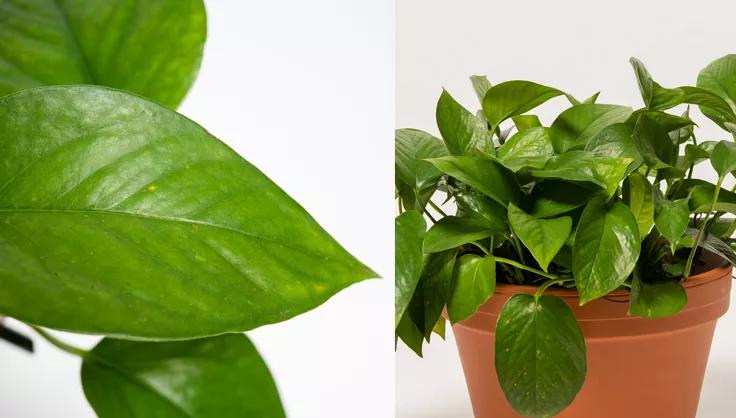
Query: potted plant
(122,218)
(585,266)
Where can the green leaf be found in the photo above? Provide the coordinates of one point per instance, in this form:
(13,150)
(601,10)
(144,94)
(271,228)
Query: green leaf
(606,248)
(656,300)
(221,376)
(671,217)
(410,333)
(637,194)
(574,127)
(486,176)
(553,197)
(460,129)
(654,144)
(410,228)
(452,231)
(481,85)
(606,172)
(527,148)
(436,282)
(440,327)
(412,146)
(543,237)
(723,158)
(540,355)
(646,84)
(616,141)
(473,283)
(700,194)
(484,209)
(523,122)
(512,98)
(168,224)
(719,77)
(151,48)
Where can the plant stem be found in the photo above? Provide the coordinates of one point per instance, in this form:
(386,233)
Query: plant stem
(699,236)
(60,344)
(544,287)
(437,208)
(482,248)
(523,267)
(429,215)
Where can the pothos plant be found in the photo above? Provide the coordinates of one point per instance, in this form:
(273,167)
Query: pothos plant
(122,218)
(604,198)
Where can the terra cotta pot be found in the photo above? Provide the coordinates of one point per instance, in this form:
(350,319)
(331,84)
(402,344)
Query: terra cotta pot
(637,367)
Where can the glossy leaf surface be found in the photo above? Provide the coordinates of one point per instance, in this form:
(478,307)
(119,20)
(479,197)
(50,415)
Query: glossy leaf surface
(656,300)
(723,158)
(473,283)
(606,248)
(606,172)
(220,376)
(540,355)
(436,282)
(452,231)
(528,148)
(409,229)
(460,129)
(543,237)
(109,202)
(511,98)
(637,194)
(412,146)
(152,48)
(487,176)
(719,77)
(671,217)
(577,125)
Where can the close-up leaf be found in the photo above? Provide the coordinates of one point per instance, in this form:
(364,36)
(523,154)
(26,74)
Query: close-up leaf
(719,77)
(473,282)
(638,196)
(540,355)
(606,248)
(528,148)
(723,158)
(606,172)
(221,376)
(487,176)
(174,234)
(452,231)
(151,48)
(656,300)
(554,197)
(412,147)
(616,141)
(574,127)
(409,229)
(512,98)
(543,237)
(436,282)
(484,209)
(671,217)
(461,130)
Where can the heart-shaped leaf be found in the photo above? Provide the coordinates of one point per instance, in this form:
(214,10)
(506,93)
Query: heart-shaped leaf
(473,283)
(409,232)
(637,194)
(192,240)
(412,146)
(484,209)
(460,129)
(512,98)
(220,376)
(527,148)
(553,197)
(616,141)
(656,300)
(452,231)
(540,355)
(152,48)
(543,237)
(606,248)
(719,77)
(574,127)
(606,172)
(436,284)
(723,158)
(653,143)
(486,176)
(671,217)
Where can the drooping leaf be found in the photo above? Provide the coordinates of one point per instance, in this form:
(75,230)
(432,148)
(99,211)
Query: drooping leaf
(616,141)
(606,248)
(484,209)
(436,282)
(656,300)
(554,197)
(671,217)
(473,283)
(481,85)
(152,48)
(606,172)
(408,330)
(412,147)
(409,231)
(637,194)
(528,148)
(543,237)
(460,129)
(96,180)
(452,231)
(486,176)
(221,376)
(440,327)
(715,245)
(574,127)
(723,158)
(512,98)
(540,355)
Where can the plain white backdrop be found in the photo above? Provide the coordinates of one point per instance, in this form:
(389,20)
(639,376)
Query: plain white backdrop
(577,46)
(305,91)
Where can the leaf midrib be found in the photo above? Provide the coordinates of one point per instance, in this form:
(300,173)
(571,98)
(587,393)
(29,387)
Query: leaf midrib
(78,46)
(171,219)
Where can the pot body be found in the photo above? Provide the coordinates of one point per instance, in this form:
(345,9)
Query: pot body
(637,367)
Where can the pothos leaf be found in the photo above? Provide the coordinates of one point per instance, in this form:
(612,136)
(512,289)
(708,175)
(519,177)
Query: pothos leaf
(410,228)
(656,300)
(473,282)
(543,237)
(511,98)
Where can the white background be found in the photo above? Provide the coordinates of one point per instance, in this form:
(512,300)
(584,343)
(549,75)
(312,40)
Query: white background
(304,90)
(577,46)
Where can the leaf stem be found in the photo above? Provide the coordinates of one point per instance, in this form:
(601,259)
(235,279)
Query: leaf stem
(699,236)
(437,208)
(547,284)
(429,215)
(482,248)
(60,344)
(523,267)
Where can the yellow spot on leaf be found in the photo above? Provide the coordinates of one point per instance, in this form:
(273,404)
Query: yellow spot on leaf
(152,188)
